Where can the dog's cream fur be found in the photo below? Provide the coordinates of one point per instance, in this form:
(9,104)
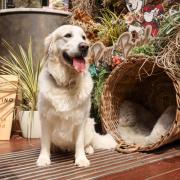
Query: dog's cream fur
(64,100)
(137,125)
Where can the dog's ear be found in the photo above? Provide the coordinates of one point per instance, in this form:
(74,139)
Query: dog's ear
(97,51)
(48,44)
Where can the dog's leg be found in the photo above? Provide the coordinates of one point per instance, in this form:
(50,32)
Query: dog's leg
(89,134)
(44,157)
(80,157)
(89,150)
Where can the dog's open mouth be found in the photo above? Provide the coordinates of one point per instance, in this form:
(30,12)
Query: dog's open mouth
(77,62)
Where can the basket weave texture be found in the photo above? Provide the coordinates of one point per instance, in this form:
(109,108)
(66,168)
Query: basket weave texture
(144,82)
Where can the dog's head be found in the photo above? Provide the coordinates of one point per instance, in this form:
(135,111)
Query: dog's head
(70,46)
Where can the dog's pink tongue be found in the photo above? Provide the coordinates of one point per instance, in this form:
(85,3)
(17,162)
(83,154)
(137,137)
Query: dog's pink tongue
(79,64)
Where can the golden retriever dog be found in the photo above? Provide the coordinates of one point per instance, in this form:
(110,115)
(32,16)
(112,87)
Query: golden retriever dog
(65,98)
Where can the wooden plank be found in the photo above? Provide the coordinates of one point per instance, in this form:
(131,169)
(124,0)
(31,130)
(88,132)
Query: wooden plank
(105,164)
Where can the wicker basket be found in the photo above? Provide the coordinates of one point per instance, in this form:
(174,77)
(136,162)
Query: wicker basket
(144,82)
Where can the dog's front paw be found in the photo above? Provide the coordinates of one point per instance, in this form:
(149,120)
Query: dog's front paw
(43,161)
(89,150)
(82,162)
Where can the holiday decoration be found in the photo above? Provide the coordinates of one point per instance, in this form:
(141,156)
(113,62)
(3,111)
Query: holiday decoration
(134,18)
(142,15)
(135,5)
(152,16)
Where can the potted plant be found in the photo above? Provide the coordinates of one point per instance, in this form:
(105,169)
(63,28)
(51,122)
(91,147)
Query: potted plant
(20,63)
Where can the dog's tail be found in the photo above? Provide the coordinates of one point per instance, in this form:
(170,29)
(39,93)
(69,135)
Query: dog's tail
(96,140)
(103,141)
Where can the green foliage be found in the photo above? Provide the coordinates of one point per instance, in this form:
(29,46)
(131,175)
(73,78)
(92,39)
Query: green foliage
(145,49)
(97,91)
(170,25)
(111,27)
(21,64)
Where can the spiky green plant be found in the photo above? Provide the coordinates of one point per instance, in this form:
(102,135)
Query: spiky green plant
(169,27)
(111,27)
(20,63)
(170,24)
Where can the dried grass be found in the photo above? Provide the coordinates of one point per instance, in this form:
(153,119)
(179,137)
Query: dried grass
(169,57)
(86,5)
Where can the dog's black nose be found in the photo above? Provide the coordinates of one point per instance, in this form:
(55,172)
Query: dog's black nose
(83,47)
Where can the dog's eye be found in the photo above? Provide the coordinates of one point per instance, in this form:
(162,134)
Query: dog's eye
(84,37)
(68,35)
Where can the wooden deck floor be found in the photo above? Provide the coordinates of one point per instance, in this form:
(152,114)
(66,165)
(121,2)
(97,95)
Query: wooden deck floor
(166,168)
